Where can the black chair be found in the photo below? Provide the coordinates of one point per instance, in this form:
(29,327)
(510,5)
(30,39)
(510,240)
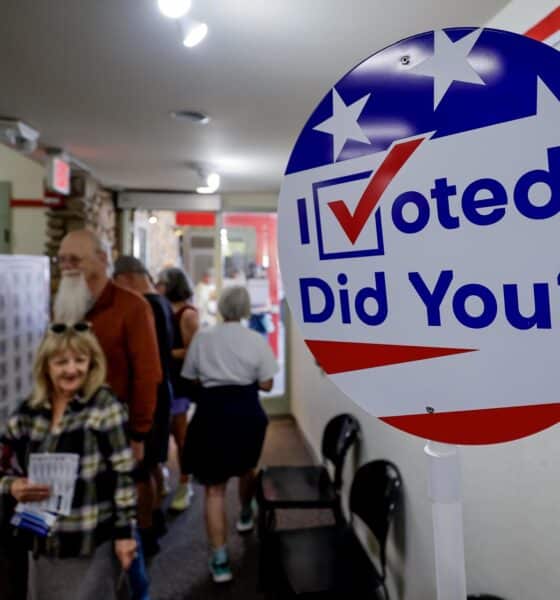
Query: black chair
(330,562)
(310,486)
(483,597)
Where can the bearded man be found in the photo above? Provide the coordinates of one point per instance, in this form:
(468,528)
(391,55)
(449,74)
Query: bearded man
(122,321)
(130,273)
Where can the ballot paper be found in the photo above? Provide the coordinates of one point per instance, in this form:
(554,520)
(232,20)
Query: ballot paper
(59,471)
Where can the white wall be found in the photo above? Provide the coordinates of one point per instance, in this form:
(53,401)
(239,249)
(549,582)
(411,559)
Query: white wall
(511,491)
(25,175)
(28,224)
(520,15)
(250,201)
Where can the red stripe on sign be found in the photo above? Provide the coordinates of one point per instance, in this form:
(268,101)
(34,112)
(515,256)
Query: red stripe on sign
(485,426)
(341,357)
(353,224)
(545,28)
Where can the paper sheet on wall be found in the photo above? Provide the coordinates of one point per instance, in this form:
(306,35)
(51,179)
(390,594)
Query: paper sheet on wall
(59,471)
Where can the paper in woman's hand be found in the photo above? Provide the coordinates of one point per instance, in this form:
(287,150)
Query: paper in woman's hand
(59,471)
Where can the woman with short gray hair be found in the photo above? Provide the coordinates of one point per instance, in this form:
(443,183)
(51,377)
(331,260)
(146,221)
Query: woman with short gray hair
(234,304)
(230,363)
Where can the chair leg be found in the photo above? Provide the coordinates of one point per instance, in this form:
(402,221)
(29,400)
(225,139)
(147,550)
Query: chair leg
(266,522)
(338,514)
(261,523)
(271,522)
(268,562)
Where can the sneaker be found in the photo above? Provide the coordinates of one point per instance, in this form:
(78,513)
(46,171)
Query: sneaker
(182,499)
(220,571)
(246,521)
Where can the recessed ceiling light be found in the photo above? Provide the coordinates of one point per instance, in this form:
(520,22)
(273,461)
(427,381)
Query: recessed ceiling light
(191,115)
(193,33)
(212,184)
(174,9)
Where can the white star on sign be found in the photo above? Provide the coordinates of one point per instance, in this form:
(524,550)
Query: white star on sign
(449,63)
(343,125)
(548,104)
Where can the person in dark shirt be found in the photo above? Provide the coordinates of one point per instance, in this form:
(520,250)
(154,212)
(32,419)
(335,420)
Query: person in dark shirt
(176,286)
(129,272)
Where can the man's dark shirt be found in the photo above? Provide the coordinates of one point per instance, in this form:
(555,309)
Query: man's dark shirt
(163,316)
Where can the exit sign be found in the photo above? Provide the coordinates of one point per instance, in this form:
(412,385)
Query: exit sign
(58,175)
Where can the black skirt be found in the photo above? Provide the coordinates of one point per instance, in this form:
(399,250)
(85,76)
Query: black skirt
(226,434)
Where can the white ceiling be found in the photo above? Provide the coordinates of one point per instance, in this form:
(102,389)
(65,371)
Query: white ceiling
(99,77)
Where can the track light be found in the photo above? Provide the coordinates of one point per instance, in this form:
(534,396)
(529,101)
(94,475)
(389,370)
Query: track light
(212,184)
(193,32)
(152,219)
(174,9)
(19,135)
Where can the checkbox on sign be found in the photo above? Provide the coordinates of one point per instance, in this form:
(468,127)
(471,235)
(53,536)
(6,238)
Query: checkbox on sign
(341,231)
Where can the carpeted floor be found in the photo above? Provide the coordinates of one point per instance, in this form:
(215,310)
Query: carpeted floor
(180,571)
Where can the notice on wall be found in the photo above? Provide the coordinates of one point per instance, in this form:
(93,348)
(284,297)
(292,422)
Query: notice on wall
(24,314)
(59,471)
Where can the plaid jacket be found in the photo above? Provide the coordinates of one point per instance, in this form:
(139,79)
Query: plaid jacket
(104,503)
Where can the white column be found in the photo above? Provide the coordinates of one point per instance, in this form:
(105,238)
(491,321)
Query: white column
(447,514)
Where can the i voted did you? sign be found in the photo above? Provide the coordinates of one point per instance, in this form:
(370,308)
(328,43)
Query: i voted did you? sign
(419,222)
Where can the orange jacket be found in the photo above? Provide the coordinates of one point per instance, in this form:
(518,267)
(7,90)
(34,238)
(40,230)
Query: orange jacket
(124,325)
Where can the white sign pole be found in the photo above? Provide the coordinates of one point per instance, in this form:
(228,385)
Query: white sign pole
(447,515)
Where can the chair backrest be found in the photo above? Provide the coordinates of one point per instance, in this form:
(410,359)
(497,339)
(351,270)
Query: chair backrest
(483,597)
(375,496)
(339,435)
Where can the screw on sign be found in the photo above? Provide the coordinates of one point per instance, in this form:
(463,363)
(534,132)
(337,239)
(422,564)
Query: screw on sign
(424,273)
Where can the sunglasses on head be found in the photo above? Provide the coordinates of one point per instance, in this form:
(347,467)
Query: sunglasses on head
(79,327)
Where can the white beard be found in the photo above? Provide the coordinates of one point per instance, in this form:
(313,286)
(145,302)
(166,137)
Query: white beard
(73,299)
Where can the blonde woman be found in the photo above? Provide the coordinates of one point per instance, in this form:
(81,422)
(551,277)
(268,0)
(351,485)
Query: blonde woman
(71,410)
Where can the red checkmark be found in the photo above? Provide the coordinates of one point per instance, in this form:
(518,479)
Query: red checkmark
(354,223)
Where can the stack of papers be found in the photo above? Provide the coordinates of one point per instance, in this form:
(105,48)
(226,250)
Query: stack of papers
(59,471)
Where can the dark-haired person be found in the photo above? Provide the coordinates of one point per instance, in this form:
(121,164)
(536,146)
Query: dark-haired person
(231,363)
(130,273)
(177,287)
(70,410)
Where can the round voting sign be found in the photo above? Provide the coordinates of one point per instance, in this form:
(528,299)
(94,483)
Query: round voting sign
(419,223)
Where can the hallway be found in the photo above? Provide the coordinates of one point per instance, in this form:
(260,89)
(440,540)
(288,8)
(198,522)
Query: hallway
(180,570)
